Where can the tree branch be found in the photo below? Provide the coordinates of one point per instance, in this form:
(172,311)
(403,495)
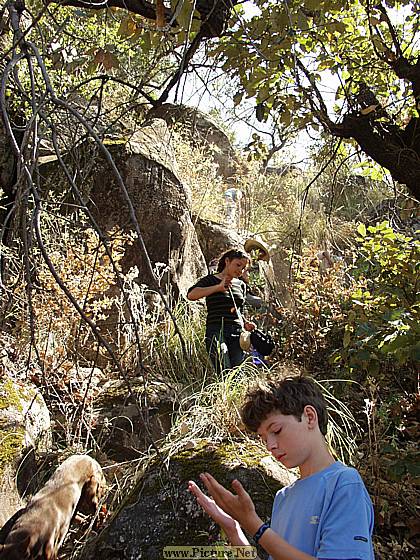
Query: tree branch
(393,148)
(139,7)
(403,68)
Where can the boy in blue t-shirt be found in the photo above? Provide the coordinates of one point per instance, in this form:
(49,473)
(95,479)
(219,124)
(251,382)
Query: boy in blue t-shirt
(327,513)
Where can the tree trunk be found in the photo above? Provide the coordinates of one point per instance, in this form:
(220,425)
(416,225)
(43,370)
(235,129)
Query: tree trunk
(396,149)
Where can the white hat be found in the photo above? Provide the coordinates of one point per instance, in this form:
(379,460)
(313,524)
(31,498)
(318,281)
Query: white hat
(251,244)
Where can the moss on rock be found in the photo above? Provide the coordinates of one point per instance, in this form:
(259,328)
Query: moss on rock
(159,511)
(12,437)
(24,422)
(11,395)
(11,445)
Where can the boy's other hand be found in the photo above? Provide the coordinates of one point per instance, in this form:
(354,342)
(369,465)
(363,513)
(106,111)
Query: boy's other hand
(239,505)
(211,508)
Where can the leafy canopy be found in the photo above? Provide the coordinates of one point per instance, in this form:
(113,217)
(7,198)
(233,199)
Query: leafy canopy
(280,55)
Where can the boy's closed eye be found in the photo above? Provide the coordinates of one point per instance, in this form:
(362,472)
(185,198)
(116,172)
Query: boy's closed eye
(275,432)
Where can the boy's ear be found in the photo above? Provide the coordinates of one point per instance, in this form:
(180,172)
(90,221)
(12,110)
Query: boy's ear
(311,415)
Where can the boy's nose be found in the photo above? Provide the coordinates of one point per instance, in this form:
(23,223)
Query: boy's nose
(271,444)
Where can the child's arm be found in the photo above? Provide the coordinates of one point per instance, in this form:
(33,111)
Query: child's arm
(239,507)
(198,293)
(229,525)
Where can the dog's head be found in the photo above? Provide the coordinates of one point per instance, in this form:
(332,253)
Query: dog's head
(93,490)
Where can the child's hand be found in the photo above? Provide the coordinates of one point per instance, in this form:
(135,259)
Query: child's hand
(239,506)
(225,284)
(211,508)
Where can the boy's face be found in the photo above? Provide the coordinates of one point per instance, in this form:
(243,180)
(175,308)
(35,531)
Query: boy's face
(288,439)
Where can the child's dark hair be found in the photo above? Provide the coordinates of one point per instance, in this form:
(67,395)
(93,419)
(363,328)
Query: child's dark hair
(231,254)
(288,396)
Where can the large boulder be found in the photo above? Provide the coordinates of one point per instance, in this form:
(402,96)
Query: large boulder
(128,422)
(277,277)
(204,131)
(215,239)
(24,427)
(160,512)
(161,202)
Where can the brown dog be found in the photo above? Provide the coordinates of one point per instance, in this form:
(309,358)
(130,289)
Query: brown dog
(38,531)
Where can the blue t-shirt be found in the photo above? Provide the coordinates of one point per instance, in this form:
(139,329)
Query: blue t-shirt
(327,515)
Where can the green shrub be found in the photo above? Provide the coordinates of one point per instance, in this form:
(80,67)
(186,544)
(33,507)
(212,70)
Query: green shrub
(382,315)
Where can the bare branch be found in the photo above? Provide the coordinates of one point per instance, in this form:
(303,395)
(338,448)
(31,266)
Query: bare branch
(139,7)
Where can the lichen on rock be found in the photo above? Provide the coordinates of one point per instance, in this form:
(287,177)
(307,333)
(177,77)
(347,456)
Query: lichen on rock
(160,511)
(24,425)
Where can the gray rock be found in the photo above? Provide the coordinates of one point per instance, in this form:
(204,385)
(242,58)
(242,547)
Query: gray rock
(204,131)
(215,239)
(127,424)
(161,202)
(24,427)
(160,512)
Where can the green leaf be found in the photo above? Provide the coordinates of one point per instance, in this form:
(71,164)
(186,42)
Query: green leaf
(361,230)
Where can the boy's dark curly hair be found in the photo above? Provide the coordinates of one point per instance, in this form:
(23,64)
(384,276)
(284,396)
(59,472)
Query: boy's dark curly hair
(288,396)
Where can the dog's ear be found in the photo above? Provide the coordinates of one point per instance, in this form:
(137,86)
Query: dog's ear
(16,551)
(91,494)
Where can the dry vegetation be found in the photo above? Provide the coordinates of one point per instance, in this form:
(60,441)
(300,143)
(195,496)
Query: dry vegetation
(373,415)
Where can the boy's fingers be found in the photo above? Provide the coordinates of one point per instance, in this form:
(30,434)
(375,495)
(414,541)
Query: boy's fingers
(237,486)
(239,489)
(211,481)
(241,492)
(194,489)
(208,480)
(213,484)
(214,487)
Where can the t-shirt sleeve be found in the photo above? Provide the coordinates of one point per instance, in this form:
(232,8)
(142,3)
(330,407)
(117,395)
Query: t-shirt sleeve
(347,526)
(204,282)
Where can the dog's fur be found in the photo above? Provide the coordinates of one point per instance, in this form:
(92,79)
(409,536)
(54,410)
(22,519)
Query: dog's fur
(39,529)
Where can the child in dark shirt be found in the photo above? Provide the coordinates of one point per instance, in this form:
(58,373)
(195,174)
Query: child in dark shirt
(225,294)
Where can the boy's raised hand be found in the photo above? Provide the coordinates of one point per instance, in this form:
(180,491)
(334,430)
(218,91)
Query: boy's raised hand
(239,505)
(211,508)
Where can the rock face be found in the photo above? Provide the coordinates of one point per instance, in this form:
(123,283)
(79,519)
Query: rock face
(215,239)
(121,422)
(160,512)
(276,275)
(204,131)
(24,426)
(161,202)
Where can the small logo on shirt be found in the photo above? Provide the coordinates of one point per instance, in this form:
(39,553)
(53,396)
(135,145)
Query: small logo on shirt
(314,519)
(359,538)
